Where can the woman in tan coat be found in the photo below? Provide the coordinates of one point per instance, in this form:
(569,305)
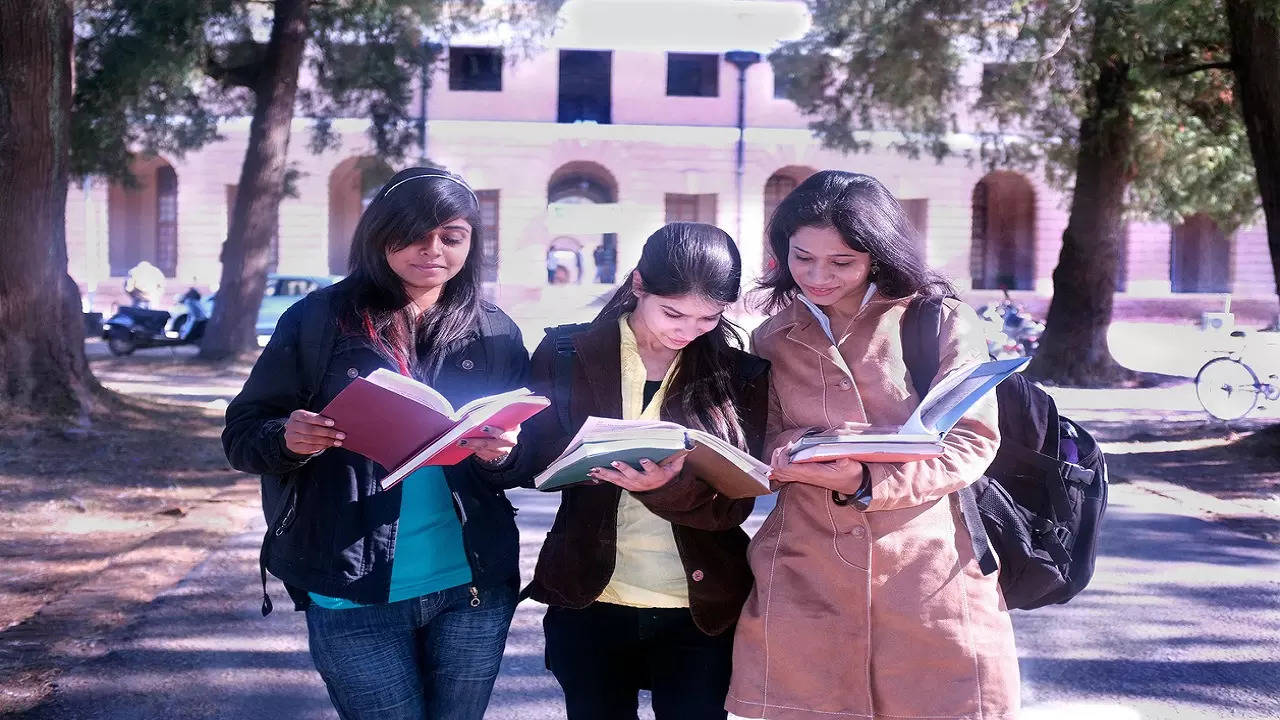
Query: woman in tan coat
(868,601)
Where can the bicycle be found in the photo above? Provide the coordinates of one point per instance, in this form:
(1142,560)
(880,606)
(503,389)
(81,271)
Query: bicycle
(1228,388)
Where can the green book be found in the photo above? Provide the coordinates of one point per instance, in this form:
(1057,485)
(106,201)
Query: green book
(602,441)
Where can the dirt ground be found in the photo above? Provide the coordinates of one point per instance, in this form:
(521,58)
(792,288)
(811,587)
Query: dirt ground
(84,504)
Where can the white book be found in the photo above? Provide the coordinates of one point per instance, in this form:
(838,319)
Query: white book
(920,437)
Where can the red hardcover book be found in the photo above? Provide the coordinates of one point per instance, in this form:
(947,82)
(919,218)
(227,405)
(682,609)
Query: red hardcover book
(403,425)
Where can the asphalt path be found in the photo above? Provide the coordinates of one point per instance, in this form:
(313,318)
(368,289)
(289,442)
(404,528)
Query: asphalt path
(1181,621)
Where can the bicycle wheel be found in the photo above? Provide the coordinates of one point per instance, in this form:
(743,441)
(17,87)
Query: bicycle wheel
(1227,388)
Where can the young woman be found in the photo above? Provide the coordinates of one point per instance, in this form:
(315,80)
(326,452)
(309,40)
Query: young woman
(645,572)
(408,592)
(868,601)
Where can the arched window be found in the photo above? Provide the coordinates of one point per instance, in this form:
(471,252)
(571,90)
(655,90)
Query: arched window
(581,183)
(143,218)
(1002,255)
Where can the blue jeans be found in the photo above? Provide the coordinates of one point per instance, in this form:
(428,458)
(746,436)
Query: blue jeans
(433,657)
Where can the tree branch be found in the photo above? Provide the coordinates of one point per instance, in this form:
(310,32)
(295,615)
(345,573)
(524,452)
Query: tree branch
(1193,69)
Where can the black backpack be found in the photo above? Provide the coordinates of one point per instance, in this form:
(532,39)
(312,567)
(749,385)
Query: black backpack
(1039,505)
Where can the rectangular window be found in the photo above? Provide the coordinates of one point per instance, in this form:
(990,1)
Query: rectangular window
(1004,82)
(693,74)
(475,69)
(167,220)
(586,79)
(781,86)
(691,208)
(489,234)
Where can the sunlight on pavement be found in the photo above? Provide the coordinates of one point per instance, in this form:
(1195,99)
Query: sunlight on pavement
(1076,711)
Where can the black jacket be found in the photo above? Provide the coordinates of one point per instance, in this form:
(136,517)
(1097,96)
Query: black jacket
(330,528)
(577,558)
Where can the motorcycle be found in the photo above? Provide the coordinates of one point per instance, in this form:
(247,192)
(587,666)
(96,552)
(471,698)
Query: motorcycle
(131,327)
(1011,331)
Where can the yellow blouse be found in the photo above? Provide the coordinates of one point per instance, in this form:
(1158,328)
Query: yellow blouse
(647,572)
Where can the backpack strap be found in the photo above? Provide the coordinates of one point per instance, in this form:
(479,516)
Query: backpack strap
(921,326)
(562,370)
(499,362)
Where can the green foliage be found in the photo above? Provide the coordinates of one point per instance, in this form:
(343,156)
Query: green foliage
(159,77)
(913,68)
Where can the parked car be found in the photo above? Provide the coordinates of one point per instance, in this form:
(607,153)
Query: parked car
(282,291)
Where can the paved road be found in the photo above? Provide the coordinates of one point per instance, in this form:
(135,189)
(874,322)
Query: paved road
(1182,622)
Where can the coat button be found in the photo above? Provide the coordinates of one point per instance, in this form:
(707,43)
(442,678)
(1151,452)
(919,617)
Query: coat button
(353,373)
(697,576)
(845,384)
(859,532)
(467,364)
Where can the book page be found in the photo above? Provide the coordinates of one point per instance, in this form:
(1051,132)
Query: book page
(870,452)
(412,389)
(499,399)
(952,397)
(611,429)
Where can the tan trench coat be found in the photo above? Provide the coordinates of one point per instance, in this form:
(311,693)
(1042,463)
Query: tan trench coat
(880,613)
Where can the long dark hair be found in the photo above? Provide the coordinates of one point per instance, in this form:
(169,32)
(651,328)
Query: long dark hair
(869,220)
(678,259)
(411,204)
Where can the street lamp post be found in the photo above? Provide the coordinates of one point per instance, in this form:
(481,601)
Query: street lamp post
(430,50)
(742,59)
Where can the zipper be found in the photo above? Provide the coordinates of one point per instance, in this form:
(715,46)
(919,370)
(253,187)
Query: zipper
(475,596)
(289,514)
(473,558)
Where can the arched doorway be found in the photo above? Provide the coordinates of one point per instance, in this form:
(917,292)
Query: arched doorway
(352,184)
(778,186)
(573,184)
(1201,256)
(1003,252)
(143,218)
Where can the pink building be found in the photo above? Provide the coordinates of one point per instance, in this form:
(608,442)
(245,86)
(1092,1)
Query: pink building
(624,118)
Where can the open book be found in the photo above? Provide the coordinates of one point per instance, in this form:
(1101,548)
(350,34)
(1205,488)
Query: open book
(600,441)
(920,437)
(403,425)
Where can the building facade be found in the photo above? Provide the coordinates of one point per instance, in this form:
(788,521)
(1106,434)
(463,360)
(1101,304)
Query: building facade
(623,119)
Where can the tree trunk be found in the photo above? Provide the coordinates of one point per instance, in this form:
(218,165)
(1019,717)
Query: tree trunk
(246,253)
(1074,348)
(1255,58)
(42,361)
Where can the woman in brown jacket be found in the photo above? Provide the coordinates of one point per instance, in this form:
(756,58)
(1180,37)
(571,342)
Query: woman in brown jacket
(645,572)
(868,601)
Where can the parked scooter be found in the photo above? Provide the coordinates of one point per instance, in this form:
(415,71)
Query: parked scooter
(1010,329)
(131,328)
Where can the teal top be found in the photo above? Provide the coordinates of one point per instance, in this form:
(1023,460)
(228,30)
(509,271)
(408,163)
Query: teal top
(429,555)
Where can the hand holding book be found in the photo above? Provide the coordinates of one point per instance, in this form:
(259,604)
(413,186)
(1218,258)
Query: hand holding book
(306,433)
(843,475)
(921,436)
(403,425)
(650,476)
(494,445)
(602,442)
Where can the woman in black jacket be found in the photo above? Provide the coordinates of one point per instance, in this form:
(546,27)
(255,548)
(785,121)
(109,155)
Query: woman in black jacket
(646,571)
(409,592)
